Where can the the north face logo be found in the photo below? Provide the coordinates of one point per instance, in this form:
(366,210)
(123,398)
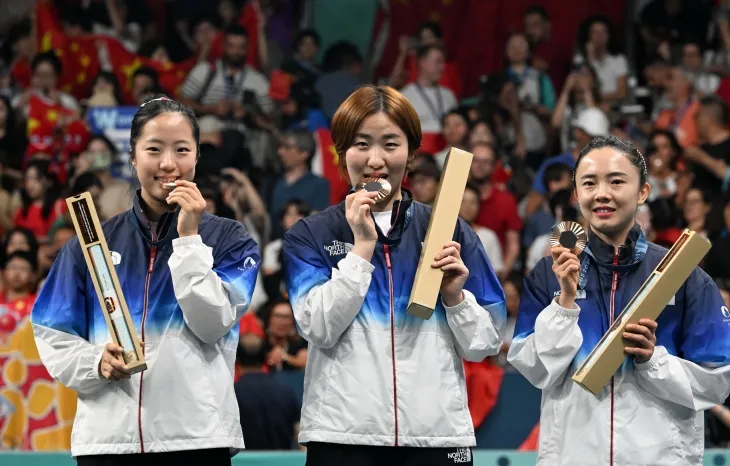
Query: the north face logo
(338,248)
(461,455)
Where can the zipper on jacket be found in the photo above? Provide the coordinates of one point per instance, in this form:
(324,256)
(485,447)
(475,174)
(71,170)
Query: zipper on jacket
(614,286)
(150,267)
(388,264)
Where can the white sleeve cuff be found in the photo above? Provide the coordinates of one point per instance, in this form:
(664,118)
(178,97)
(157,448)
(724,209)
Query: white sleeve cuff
(185,241)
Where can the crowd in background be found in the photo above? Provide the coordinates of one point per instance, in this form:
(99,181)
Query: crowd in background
(261,94)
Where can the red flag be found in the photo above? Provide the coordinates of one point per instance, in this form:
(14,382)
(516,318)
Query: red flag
(126,63)
(78,55)
(250,20)
(44,121)
(325,164)
(532,441)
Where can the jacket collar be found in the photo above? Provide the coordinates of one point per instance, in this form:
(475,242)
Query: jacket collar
(631,253)
(165,226)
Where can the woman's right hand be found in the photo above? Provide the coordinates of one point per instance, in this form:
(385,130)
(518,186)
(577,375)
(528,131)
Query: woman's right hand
(357,212)
(566,268)
(111,366)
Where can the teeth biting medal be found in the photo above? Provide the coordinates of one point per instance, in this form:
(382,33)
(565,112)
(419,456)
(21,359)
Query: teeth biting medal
(379,185)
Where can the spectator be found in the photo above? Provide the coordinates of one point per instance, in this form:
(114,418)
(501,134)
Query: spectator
(562,209)
(661,160)
(590,123)
(498,209)
(582,90)
(342,68)
(406,68)
(297,181)
(43,89)
(696,208)
(19,283)
(705,83)
(269,409)
(425,179)
(40,200)
(11,141)
(535,90)
(304,69)
(226,87)
(115,195)
(711,122)
(546,54)
(456,130)
(271,267)
(597,48)
(681,119)
(557,177)
(285,349)
(431,100)
(469,211)
(19,239)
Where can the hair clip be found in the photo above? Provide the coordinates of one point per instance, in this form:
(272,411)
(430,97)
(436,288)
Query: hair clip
(153,100)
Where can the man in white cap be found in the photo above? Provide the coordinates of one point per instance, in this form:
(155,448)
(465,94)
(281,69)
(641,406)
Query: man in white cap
(590,123)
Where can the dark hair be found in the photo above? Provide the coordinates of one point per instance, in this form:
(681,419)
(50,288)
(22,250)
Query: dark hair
(111,78)
(29,238)
(148,48)
(562,199)
(85,182)
(303,34)
(49,57)
(474,187)
(107,142)
(29,257)
(235,30)
(251,354)
(430,26)
(555,172)
(52,192)
(537,10)
(340,55)
(302,208)
(149,72)
(157,106)
(584,33)
(625,147)
(462,111)
(678,150)
(717,108)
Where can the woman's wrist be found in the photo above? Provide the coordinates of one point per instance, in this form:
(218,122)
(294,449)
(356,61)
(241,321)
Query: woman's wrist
(364,249)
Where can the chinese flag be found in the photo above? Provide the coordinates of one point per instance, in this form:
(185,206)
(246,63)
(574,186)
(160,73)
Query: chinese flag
(126,63)
(44,119)
(325,164)
(78,55)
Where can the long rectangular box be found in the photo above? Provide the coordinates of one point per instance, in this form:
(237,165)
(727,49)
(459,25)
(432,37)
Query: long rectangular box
(106,283)
(648,303)
(440,231)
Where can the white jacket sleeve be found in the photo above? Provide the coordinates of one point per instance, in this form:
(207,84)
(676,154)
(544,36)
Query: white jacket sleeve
(60,324)
(214,286)
(324,312)
(545,355)
(475,333)
(546,336)
(683,382)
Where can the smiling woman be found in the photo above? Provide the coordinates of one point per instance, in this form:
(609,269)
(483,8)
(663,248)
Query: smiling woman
(187,277)
(675,368)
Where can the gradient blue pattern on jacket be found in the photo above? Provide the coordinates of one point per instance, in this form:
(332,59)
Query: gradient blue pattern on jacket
(319,246)
(69,303)
(695,327)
